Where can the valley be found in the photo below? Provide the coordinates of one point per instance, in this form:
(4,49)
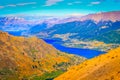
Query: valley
(60,48)
(87,53)
(74,32)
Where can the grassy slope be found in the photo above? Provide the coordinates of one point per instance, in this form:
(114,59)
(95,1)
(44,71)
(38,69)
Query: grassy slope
(104,67)
(25,58)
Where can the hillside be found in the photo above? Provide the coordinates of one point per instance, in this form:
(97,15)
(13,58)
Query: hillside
(104,16)
(27,58)
(82,30)
(104,67)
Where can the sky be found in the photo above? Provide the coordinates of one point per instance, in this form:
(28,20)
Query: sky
(57,7)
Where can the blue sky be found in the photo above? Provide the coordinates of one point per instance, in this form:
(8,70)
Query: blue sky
(57,7)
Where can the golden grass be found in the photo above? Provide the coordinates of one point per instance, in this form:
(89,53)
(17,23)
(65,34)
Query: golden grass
(103,67)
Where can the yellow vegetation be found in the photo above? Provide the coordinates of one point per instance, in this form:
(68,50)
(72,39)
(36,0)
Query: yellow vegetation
(103,67)
(22,58)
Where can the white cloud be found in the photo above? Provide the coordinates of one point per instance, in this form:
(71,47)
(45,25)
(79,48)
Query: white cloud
(1,7)
(22,4)
(76,14)
(76,2)
(11,5)
(70,3)
(19,4)
(52,2)
(94,3)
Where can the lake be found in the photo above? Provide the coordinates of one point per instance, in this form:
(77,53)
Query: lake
(15,33)
(87,53)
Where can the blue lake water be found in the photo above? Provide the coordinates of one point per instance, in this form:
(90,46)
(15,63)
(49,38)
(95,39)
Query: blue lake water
(15,33)
(88,53)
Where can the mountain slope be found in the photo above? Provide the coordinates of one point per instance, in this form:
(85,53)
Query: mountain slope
(104,16)
(25,58)
(104,67)
(82,30)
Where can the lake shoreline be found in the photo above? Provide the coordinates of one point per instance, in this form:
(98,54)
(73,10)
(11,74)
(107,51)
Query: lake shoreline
(87,53)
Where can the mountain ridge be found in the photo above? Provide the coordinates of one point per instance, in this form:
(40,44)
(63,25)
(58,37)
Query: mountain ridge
(103,16)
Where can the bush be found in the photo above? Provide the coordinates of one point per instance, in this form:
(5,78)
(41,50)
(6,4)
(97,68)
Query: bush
(49,76)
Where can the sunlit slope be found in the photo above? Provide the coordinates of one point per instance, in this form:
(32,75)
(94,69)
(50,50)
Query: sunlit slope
(23,58)
(104,67)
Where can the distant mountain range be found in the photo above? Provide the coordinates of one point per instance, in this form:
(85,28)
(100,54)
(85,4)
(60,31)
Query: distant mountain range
(102,27)
(106,31)
(104,67)
(19,23)
(25,22)
(28,58)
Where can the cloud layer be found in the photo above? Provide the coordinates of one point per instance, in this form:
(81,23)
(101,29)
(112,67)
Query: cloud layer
(76,2)
(94,3)
(1,7)
(52,2)
(19,4)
